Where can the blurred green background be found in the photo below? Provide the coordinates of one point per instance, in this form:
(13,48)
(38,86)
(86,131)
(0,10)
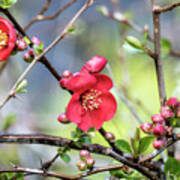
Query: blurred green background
(38,109)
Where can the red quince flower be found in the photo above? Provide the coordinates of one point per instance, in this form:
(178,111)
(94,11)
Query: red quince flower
(91,104)
(7,38)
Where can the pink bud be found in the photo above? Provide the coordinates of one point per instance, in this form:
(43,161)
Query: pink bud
(159,130)
(63,82)
(21,44)
(157,118)
(31,52)
(172,102)
(67,74)
(81,165)
(109,136)
(166,113)
(26,56)
(169,130)
(90,162)
(159,143)
(84,154)
(146,127)
(62,118)
(95,64)
(35,40)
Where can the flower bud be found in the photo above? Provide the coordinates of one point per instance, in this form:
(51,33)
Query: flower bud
(84,154)
(166,113)
(109,136)
(27,57)
(81,165)
(21,44)
(62,118)
(169,130)
(62,82)
(159,143)
(90,162)
(31,52)
(178,113)
(159,130)
(95,64)
(146,127)
(157,118)
(172,102)
(35,40)
(67,74)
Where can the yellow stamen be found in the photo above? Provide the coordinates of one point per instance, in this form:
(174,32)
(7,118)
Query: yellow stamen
(3,39)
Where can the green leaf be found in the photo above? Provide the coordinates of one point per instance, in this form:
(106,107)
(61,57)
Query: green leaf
(66,158)
(144,41)
(134,42)
(20,88)
(72,30)
(123,146)
(7,3)
(9,120)
(172,166)
(144,143)
(129,49)
(165,47)
(28,41)
(135,146)
(38,49)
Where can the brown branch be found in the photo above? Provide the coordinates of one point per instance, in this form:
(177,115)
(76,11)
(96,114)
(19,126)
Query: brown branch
(61,142)
(61,176)
(158,9)
(158,59)
(40,17)
(54,43)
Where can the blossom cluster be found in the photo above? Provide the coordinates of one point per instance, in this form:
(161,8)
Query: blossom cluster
(85,161)
(91,104)
(162,124)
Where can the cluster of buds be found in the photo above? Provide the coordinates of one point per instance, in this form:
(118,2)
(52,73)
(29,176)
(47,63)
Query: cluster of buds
(161,125)
(110,137)
(37,48)
(86,161)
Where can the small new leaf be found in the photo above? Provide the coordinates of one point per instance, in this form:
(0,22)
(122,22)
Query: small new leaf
(123,146)
(28,41)
(9,120)
(72,30)
(20,88)
(144,143)
(103,10)
(172,166)
(7,3)
(165,47)
(134,42)
(66,158)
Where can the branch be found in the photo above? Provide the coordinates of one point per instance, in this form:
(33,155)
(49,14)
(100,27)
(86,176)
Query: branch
(60,176)
(61,142)
(158,9)
(157,59)
(40,17)
(57,40)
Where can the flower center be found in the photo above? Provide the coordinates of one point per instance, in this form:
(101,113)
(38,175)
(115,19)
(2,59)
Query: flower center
(91,100)
(3,39)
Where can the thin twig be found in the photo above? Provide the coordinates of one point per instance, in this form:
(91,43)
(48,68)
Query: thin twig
(57,40)
(158,9)
(61,176)
(40,17)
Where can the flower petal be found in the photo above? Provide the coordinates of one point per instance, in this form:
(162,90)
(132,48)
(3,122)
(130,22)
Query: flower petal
(74,109)
(80,82)
(106,110)
(86,122)
(103,82)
